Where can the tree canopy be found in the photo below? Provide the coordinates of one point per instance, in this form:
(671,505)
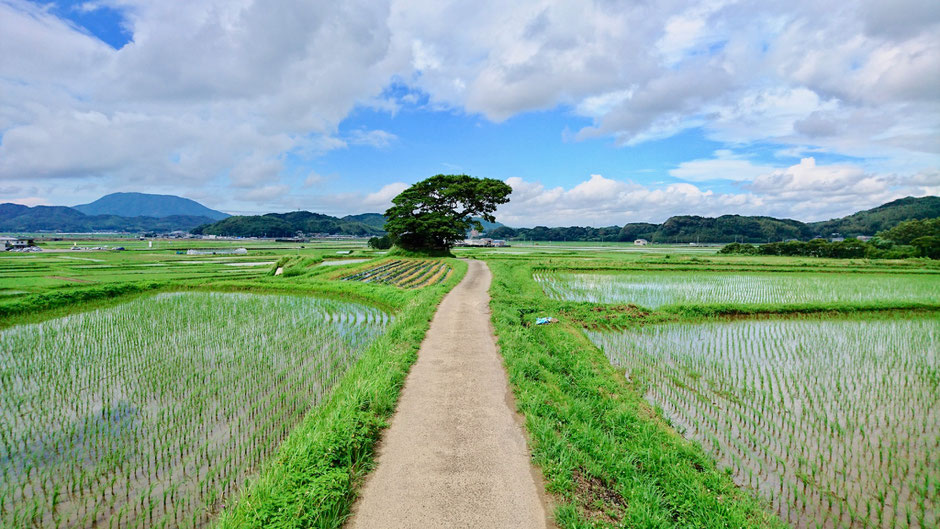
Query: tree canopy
(435,213)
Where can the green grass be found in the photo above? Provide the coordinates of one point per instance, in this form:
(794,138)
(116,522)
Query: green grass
(610,456)
(312,480)
(606,454)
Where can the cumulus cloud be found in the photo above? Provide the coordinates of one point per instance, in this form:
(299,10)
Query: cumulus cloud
(222,93)
(804,191)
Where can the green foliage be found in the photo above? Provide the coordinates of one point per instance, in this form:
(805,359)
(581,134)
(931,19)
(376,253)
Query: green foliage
(435,213)
(906,232)
(928,245)
(380,243)
(737,228)
(285,225)
(919,246)
(737,248)
(880,218)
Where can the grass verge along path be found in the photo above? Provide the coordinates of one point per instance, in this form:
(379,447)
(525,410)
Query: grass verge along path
(454,455)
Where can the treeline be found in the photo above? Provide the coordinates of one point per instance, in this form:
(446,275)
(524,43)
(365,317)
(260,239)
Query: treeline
(735,228)
(683,229)
(913,238)
(286,225)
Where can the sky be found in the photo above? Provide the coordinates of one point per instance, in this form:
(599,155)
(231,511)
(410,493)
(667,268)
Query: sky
(596,113)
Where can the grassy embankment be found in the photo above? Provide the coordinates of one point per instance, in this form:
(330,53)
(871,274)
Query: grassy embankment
(312,480)
(607,455)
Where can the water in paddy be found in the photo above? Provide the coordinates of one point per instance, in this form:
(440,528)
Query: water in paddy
(835,422)
(655,289)
(155,411)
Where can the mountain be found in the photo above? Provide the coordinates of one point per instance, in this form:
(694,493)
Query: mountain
(738,228)
(880,218)
(287,225)
(147,205)
(376,220)
(19,218)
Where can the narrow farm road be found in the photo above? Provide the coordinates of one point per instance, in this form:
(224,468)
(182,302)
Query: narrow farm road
(454,455)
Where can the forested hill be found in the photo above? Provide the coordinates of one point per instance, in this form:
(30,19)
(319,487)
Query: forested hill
(881,218)
(731,228)
(287,225)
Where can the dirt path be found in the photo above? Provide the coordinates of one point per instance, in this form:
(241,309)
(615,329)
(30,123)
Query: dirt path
(454,455)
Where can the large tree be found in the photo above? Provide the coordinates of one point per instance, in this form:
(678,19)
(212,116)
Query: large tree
(435,213)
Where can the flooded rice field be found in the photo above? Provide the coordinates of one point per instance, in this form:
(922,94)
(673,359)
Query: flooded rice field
(153,413)
(835,422)
(655,289)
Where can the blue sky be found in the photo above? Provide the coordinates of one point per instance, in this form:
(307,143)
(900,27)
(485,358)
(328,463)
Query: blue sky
(595,113)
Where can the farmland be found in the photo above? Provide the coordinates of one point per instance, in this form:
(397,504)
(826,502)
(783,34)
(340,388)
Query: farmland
(691,390)
(834,420)
(150,389)
(656,289)
(404,273)
(153,412)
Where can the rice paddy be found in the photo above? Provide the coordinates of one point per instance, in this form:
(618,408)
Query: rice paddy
(153,413)
(656,289)
(405,273)
(835,422)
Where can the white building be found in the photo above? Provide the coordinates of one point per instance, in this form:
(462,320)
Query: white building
(641,242)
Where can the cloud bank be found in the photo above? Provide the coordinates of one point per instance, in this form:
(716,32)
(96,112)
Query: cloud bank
(219,99)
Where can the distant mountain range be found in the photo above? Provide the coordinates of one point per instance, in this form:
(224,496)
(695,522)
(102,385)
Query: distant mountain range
(147,205)
(118,212)
(140,212)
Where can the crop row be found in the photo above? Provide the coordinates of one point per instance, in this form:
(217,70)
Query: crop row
(835,422)
(405,273)
(154,412)
(655,289)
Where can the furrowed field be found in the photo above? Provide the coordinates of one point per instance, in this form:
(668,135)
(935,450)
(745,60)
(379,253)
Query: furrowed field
(153,412)
(835,421)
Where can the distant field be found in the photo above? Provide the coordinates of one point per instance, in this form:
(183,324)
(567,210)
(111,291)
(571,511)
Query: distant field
(834,421)
(405,273)
(154,412)
(656,289)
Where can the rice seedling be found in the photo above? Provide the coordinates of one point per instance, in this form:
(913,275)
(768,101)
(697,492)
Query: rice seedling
(655,289)
(835,422)
(153,413)
(405,273)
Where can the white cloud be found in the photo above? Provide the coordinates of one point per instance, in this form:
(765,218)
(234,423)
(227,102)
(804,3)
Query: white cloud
(804,191)
(382,199)
(209,88)
(379,139)
(724,166)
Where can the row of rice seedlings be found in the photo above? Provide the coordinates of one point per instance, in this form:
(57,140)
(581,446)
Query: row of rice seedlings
(405,273)
(836,423)
(153,413)
(655,289)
